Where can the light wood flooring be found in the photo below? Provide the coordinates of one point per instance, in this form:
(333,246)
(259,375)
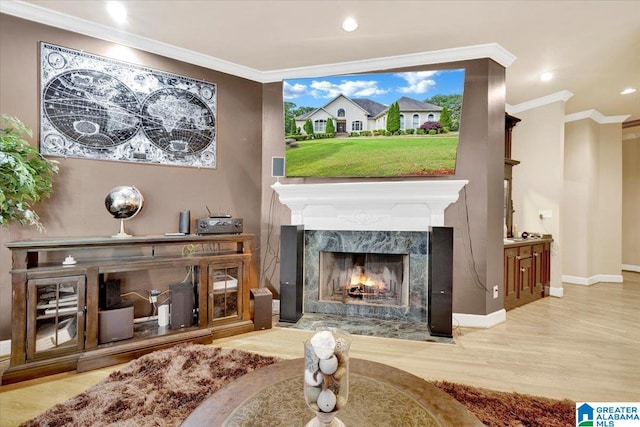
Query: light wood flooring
(584,346)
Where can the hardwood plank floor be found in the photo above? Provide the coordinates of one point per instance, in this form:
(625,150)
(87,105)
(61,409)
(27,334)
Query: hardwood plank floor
(583,346)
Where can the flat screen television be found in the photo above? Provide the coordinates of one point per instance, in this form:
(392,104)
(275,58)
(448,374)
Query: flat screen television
(373,125)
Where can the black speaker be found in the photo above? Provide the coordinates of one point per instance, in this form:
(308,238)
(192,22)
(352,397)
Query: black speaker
(291,262)
(184,224)
(440,294)
(108,293)
(181,308)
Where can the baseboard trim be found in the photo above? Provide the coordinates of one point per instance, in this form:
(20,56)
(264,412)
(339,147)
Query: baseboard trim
(556,292)
(5,348)
(629,267)
(479,320)
(588,281)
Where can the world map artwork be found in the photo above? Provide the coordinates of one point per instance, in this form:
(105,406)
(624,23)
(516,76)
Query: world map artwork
(99,108)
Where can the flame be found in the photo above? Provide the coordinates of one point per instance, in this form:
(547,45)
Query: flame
(360,278)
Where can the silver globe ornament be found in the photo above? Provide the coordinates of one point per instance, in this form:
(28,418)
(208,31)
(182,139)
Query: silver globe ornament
(124,202)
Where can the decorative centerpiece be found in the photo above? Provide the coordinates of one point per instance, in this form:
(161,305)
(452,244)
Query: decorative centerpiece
(326,375)
(124,203)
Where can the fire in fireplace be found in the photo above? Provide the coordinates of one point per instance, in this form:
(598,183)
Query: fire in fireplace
(364,278)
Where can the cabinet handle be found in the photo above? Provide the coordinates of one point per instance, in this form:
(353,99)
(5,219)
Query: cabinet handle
(523,269)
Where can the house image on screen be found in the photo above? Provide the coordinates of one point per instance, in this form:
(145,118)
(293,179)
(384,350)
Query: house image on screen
(360,114)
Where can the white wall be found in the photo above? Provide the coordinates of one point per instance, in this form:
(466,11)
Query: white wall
(538,143)
(593,202)
(631,198)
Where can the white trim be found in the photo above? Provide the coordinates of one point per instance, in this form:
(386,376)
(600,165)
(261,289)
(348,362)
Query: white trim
(556,292)
(629,267)
(562,96)
(588,281)
(67,22)
(479,320)
(491,50)
(82,26)
(596,116)
(5,348)
(380,205)
(275,306)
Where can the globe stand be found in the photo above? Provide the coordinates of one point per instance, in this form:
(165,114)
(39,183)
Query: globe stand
(122,233)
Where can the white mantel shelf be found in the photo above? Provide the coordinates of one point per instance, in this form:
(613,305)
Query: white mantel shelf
(379,206)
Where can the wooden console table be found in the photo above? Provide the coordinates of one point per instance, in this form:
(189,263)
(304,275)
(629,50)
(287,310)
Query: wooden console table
(55,306)
(379,395)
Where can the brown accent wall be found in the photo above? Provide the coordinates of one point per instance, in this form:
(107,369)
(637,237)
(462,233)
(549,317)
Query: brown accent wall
(76,207)
(477,217)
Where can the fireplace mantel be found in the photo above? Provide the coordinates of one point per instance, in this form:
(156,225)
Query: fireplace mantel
(369,206)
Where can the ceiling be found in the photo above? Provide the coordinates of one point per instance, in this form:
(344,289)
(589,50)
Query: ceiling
(593,47)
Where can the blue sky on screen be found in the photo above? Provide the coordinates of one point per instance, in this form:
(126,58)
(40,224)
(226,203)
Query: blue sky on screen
(384,88)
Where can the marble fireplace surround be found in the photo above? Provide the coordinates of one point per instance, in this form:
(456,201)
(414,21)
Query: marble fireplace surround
(381,217)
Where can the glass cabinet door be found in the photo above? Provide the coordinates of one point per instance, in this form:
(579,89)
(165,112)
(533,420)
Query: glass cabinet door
(224,283)
(55,318)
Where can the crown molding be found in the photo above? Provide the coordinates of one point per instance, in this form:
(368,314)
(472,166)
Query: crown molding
(45,16)
(492,51)
(82,26)
(596,116)
(562,96)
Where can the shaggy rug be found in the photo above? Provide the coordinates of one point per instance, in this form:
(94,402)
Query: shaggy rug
(164,387)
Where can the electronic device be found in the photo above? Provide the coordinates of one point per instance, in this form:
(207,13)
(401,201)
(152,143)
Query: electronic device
(115,324)
(277,167)
(184,223)
(181,306)
(291,262)
(219,225)
(109,294)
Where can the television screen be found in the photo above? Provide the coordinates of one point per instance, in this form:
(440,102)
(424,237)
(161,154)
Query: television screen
(373,125)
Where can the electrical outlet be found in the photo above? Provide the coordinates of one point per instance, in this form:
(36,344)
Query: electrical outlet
(495,292)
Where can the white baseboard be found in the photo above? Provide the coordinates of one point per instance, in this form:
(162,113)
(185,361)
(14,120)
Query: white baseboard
(556,292)
(275,306)
(479,320)
(629,267)
(588,281)
(5,348)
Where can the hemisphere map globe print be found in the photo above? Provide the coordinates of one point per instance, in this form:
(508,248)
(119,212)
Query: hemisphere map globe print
(99,108)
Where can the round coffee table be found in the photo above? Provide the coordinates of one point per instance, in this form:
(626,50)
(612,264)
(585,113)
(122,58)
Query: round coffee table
(379,395)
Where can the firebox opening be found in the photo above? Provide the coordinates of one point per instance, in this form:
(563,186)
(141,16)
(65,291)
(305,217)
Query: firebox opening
(364,278)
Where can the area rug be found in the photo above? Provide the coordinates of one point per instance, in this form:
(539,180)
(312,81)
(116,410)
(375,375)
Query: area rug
(164,387)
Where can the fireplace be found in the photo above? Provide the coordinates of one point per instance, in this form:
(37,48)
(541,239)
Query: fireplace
(364,278)
(380,274)
(355,227)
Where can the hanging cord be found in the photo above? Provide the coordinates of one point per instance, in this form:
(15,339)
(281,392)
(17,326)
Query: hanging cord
(471,260)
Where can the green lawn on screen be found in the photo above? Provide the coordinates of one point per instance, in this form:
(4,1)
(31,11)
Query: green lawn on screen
(373,157)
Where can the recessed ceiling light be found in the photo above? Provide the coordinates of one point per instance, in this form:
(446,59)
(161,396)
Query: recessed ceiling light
(546,76)
(350,24)
(627,91)
(117,11)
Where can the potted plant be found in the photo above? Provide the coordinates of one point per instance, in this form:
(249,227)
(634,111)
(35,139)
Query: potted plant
(25,175)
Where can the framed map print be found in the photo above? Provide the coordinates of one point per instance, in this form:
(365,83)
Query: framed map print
(99,108)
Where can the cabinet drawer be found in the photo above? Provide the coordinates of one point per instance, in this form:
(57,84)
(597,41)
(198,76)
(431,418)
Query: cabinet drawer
(524,251)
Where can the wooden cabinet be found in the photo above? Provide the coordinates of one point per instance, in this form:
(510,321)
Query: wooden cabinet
(55,307)
(55,316)
(527,272)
